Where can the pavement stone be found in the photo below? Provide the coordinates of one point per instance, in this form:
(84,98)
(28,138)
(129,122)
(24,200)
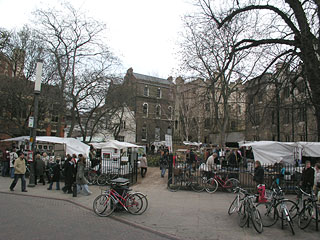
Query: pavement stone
(185,214)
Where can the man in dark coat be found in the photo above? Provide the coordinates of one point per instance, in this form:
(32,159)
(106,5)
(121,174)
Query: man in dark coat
(307,177)
(258,173)
(55,177)
(40,169)
(68,168)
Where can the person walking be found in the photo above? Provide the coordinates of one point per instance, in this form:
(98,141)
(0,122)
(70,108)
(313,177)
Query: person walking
(19,171)
(143,165)
(82,182)
(163,162)
(12,156)
(68,169)
(55,176)
(40,170)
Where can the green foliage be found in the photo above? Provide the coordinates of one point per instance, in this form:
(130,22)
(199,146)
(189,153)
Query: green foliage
(153,160)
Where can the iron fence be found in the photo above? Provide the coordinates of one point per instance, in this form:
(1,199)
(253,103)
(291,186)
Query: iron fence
(287,176)
(115,167)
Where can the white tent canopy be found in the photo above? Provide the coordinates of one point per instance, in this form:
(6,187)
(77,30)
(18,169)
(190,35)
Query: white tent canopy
(270,152)
(73,146)
(114,144)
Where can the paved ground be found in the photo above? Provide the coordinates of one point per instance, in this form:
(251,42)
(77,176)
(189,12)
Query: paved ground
(29,218)
(184,214)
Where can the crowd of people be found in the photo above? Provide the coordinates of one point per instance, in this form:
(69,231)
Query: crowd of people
(47,169)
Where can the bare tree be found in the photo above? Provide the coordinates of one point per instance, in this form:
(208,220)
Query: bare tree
(206,54)
(289,25)
(74,46)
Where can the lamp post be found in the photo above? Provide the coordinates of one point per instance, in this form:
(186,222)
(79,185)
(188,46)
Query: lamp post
(37,89)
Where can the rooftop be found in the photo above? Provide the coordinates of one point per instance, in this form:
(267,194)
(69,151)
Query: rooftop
(151,79)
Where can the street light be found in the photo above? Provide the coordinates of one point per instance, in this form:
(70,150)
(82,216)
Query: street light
(37,89)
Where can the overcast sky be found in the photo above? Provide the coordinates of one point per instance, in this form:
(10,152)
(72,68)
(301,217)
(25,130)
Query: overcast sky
(142,33)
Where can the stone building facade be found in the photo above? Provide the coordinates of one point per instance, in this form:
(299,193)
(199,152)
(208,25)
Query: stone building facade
(197,116)
(152,101)
(278,108)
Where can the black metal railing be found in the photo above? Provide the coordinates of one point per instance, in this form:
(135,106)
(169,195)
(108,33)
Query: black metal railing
(286,175)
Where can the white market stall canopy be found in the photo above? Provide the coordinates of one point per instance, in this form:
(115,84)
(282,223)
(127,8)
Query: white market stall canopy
(114,144)
(270,152)
(73,146)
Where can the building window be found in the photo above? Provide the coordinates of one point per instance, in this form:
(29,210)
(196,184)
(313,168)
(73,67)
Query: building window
(146,91)
(169,131)
(273,117)
(239,109)
(157,134)
(286,117)
(123,125)
(158,111)
(207,123)
(286,92)
(176,124)
(145,109)
(233,125)
(159,93)
(144,133)
(302,114)
(170,113)
(257,118)
(120,138)
(207,107)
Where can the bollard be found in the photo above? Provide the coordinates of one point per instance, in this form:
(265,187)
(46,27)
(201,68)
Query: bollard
(74,190)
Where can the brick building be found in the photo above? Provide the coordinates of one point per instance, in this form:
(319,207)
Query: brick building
(152,101)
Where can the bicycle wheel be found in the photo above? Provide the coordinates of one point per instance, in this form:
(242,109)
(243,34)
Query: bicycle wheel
(305,216)
(102,180)
(256,219)
(104,205)
(243,215)
(92,177)
(211,185)
(291,206)
(198,184)
(133,203)
(174,184)
(136,203)
(234,205)
(268,214)
(231,184)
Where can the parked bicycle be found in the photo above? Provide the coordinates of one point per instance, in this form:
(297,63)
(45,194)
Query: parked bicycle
(229,184)
(119,196)
(106,178)
(248,212)
(310,211)
(278,208)
(184,178)
(235,205)
(92,175)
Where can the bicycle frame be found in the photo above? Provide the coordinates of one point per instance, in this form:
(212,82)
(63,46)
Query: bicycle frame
(117,197)
(220,181)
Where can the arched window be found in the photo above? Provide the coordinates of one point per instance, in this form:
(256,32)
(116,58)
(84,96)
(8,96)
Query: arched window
(157,134)
(159,93)
(145,109)
(158,111)
(146,91)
